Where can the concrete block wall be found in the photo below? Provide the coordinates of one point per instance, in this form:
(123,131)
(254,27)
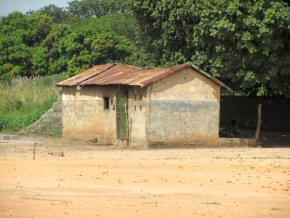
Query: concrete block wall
(50,122)
(180,109)
(84,116)
(137,110)
(184,122)
(184,110)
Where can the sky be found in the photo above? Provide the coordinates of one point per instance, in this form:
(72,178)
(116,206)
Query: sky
(8,6)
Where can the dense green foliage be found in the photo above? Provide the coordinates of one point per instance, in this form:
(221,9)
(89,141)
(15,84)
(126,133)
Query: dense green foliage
(24,100)
(91,44)
(243,42)
(54,40)
(97,8)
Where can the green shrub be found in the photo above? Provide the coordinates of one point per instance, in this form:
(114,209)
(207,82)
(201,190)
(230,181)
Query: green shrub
(24,100)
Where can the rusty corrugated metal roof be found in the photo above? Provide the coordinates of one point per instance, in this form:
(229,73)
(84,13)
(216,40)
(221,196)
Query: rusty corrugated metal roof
(122,74)
(75,80)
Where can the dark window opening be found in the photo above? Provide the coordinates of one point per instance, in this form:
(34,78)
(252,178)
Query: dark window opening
(106,103)
(140,107)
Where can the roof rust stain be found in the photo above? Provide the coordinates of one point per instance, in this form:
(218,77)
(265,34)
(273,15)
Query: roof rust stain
(122,74)
(94,71)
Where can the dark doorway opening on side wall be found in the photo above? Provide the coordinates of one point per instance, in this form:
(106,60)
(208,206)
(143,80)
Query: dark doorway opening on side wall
(239,116)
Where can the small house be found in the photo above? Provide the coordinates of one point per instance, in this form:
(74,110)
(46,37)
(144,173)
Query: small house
(114,103)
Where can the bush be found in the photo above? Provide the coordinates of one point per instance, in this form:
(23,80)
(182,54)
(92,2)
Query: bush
(25,100)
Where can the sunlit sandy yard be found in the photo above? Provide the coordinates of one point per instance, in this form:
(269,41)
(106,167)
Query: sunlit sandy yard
(90,181)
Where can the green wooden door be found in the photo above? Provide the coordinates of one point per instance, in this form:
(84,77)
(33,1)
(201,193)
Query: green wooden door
(122,115)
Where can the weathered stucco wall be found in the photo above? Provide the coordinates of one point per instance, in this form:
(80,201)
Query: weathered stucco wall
(184,109)
(180,109)
(84,115)
(137,117)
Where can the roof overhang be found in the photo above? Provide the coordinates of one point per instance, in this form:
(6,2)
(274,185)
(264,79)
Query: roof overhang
(127,75)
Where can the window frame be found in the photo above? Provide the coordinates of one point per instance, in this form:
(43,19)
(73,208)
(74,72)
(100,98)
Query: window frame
(106,102)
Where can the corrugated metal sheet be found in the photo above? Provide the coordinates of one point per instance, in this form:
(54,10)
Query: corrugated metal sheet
(75,80)
(122,74)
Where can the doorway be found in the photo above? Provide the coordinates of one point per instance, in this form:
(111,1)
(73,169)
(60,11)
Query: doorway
(122,115)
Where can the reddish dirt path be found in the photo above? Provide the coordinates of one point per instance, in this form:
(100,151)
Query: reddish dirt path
(96,182)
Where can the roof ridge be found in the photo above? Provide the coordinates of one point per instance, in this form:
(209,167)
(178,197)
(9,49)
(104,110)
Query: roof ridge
(125,74)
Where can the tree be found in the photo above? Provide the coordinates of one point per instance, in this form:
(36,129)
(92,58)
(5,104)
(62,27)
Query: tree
(245,43)
(39,61)
(14,53)
(86,47)
(58,14)
(47,42)
(96,8)
(57,62)
(40,25)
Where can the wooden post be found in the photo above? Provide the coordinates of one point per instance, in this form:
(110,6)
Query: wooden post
(259,124)
(34,151)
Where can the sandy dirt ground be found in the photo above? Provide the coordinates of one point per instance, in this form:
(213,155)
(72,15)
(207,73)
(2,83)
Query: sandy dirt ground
(94,181)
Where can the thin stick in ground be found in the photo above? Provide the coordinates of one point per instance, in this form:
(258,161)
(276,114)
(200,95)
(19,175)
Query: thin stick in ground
(34,150)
